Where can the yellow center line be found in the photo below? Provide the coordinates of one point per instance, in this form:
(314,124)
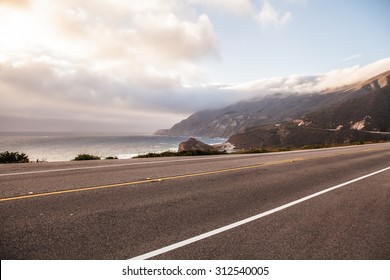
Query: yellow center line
(370,149)
(163,178)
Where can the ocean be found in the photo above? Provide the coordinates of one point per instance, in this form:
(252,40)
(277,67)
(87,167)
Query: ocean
(66,146)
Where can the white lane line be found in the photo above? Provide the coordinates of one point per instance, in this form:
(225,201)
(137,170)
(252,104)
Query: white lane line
(248,220)
(99,166)
(234,157)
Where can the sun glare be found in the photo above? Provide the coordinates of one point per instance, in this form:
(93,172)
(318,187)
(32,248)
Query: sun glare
(18,29)
(28,31)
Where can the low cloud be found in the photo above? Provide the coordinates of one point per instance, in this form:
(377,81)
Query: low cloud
(314,83)
(38,91)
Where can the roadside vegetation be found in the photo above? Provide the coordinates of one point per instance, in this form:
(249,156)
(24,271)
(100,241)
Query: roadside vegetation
(86,157)
(91,157)
(111,157)
(322,146)
(13,157)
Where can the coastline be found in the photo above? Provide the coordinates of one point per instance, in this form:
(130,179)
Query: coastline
(63,146)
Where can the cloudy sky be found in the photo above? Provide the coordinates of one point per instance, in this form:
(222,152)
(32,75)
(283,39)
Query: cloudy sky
(136,66)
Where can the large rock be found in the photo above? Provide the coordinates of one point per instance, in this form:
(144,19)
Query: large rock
(195,145)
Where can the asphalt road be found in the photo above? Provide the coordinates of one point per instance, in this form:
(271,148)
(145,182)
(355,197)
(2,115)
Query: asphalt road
(123,209)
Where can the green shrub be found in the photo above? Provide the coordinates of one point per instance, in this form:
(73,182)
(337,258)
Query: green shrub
(13,157)
(111,157)
(86,157)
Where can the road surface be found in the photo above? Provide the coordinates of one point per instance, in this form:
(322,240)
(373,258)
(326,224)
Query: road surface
(314,204)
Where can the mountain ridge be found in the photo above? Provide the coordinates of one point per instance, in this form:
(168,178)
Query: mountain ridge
(282,108)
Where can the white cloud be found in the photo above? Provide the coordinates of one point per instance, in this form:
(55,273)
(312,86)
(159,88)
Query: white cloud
(352,75)
(235,7)
(123,38)
(269,16)
(313,84)
(351,57)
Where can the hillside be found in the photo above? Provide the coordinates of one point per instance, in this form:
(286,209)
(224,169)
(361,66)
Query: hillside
(291,136)
(369,111)
(345,104)
(236,118)
(364,117)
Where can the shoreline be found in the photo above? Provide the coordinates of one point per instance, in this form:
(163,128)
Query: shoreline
(233,151)
(57,147)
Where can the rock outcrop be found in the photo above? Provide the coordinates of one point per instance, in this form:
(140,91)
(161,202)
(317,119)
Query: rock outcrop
(195,145)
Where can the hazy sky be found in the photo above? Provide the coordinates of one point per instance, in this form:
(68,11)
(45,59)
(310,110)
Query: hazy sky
(136,66)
